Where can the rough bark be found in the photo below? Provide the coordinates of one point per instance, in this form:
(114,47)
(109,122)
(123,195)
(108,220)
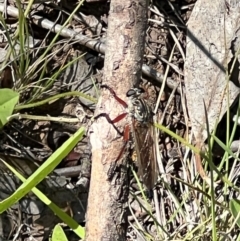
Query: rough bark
(107,203)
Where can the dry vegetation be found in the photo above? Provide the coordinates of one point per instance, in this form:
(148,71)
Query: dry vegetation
(58,76)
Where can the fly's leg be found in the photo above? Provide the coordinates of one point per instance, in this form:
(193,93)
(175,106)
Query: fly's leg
(112,171)
(113,166)
(119,100)
(112,122)
(118,118)
(126,133)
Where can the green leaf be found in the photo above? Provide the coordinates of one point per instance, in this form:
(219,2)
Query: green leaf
(235,209)
(46,168)
(78,229)
(8,100)
(58,234)
(238,238)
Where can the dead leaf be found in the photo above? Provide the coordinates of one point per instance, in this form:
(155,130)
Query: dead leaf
(212,31)
(6,80)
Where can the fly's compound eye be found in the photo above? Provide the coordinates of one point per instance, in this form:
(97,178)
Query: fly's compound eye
(135,92)
(131,92)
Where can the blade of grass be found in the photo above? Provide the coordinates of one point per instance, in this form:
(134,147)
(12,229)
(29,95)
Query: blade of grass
(43,170)
(196,150)
(59,32)
(55,97)
(210,145)
(54,77)
(62,215)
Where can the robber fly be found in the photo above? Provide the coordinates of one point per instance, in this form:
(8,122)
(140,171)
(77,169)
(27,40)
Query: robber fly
(144,136)
(143,133)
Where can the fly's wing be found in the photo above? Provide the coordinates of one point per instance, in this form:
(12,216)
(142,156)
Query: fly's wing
(144,136)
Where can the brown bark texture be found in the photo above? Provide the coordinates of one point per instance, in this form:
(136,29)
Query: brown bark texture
(107,202)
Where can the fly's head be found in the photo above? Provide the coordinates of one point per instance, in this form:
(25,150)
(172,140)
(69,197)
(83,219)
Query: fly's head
(138,107)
